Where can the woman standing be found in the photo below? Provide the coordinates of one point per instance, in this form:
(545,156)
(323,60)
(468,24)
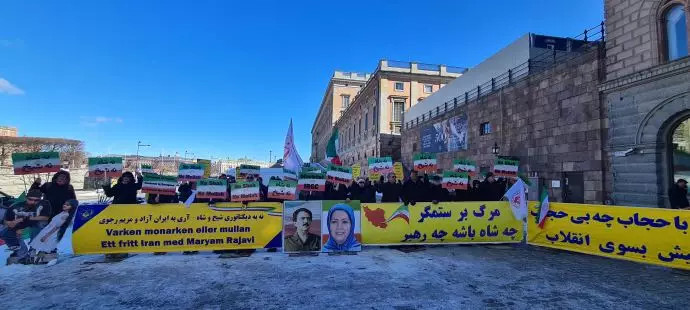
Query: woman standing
(57,191)
(125,190)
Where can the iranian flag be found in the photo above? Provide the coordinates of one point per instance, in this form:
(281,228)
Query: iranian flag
(543,207)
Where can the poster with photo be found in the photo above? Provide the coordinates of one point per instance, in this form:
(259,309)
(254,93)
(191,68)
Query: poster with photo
(302,226)
(341,229)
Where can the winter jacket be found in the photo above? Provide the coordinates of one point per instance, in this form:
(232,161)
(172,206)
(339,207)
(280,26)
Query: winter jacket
(56,194)
(336,194)
(678,197)
(392,192)
(124,193)
(366,194)
(413,192)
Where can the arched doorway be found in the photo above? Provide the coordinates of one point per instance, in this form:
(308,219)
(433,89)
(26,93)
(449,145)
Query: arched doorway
(680,151)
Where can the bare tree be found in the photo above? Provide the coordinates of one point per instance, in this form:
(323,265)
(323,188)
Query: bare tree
(71,151)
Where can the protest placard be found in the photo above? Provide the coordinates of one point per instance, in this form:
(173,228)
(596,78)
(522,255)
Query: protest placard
(37,162)
(245,191)
(455,180)
(506,168)
(312,181)
(283,190)
(159,184)
(212,189)
(465,165)
(339,175)
(190,172)
(101,167)
(425,162)
(247,170)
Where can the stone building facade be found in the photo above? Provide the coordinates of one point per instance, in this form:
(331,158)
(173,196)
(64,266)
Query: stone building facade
(647,91)
(552,120)
(370,126)
(6,131)
(340,93)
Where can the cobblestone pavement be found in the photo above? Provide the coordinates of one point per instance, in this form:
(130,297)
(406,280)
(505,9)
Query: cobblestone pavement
(442,277)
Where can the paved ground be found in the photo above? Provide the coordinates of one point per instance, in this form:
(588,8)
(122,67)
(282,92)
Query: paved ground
(449,277)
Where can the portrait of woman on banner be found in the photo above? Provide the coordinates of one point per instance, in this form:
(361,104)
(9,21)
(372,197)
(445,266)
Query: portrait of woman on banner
(341,230)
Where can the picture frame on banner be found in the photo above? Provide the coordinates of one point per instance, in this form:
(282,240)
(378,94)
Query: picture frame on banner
(341,227)
(302,226)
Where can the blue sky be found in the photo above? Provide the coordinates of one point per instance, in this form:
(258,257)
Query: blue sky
(223,78)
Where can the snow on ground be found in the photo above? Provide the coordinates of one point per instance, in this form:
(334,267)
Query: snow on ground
(441,277)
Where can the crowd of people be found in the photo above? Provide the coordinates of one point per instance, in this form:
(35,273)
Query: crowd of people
(44,215)
(49,207)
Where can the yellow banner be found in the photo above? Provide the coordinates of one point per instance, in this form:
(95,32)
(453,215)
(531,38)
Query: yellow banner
(174,228)
(398,170)
(356,171)
(647,235)
(446,222)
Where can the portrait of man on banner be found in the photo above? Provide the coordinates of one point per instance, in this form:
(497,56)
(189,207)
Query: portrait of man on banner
(302,226)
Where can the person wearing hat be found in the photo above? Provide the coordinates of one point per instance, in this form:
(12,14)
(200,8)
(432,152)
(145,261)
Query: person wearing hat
(33,213)
(47,240)
(678,195)
(360,190)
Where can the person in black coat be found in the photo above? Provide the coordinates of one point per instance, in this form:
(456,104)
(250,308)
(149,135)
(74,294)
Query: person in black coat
(415,189)
(335,191)
(125,190)
(391,190)
(436,192)
(490,189)
(678,195)
(57,191)
(362,191)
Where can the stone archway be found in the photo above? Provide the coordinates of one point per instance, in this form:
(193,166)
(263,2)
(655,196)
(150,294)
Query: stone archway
(655,134)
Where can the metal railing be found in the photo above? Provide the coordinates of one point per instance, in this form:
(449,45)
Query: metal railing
(547,59)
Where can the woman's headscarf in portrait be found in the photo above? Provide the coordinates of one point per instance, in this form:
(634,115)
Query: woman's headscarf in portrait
(351,241)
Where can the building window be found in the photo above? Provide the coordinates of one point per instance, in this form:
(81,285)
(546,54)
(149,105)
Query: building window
(398,109)
(428,88)
(399,86)
(676,32)
(366,122)
(373,117)
(346,101)
(485,128)
(360,127)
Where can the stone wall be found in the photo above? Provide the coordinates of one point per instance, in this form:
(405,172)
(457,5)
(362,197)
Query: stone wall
(631,36)
(14,184)
(552,121)
(645,107)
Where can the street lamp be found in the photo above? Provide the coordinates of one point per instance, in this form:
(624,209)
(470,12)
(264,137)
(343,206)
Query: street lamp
(495,149)
(139,144)
(187,153)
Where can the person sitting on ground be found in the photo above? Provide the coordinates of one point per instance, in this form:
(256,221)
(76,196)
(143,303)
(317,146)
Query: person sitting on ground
(125,190)
(47,240)
(678,195)
(33,214)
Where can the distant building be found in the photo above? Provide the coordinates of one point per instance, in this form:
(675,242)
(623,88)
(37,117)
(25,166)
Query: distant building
(6,131)
(340,93)
(370,124)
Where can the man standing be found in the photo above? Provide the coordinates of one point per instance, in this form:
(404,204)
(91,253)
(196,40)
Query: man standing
(302,240)
(391,189)
(414,190)
(678,195)
(33,214)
